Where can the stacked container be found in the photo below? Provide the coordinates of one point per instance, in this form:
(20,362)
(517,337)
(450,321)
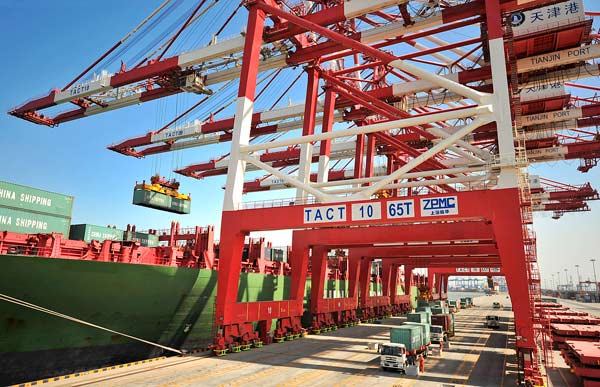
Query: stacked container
(409,335)
(425,331)
(419,317)
(29,210)
(147,240)
(423,309)
(89,232)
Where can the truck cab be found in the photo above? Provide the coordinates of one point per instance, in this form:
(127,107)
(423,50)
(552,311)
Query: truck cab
(437,334)
(393,356)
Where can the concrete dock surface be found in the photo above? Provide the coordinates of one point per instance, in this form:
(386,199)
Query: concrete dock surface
(477,356)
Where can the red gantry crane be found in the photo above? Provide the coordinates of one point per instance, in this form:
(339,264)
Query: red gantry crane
(410,148)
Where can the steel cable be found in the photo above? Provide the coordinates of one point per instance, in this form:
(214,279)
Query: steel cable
(29,305)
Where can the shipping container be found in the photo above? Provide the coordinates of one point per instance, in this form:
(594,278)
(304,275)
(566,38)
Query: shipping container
(419,317)
(147,240)
(440,304)
(437,310)
(279,255)
(89,232)
(421,302)
(161,201)
(423,309)
(425,331)
(409,335)
(25,198)
(26,222)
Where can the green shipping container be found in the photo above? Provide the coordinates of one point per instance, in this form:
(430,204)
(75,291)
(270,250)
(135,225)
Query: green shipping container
(425,331)
(147,240)
(31,199)
(409,335)
(421,302)
(161,201)
(419,317)
(423,309)
(89,232)
(26,222)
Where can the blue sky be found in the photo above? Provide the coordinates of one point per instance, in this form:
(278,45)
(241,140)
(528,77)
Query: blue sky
(46,44)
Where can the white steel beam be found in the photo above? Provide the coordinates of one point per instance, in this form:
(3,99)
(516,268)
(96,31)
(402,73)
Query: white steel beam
(419,183)
(442,145)
(379,127)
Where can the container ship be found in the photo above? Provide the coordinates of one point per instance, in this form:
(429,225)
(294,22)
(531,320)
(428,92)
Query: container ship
(159,286)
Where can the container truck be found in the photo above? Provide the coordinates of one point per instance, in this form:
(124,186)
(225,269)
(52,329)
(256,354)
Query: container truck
(467,301)
(492,322)
(445,321)
(425,332)
(454,306)
(393,357)
(438,335)
(406,343)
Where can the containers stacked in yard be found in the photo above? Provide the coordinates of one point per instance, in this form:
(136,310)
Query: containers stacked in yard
(584,359)
(577,336)
(410,336)
(30,211)
(89,232)
(580,332)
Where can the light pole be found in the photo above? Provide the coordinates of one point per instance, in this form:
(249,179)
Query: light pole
(578,278)
(595,279)
(553,283)
(567,278)
(558,281)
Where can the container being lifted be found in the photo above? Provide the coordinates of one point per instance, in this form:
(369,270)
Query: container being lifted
(162,194)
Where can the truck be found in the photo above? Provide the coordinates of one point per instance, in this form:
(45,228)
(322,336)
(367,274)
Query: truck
(466,302)
(446,321)
(492,321)
(406,343)
(393,357)
(438,335)
(454,306)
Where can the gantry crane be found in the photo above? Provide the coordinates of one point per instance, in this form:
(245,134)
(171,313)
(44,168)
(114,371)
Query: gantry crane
(394,102)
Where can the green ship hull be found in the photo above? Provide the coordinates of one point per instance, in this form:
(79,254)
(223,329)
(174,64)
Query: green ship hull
(170,305)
